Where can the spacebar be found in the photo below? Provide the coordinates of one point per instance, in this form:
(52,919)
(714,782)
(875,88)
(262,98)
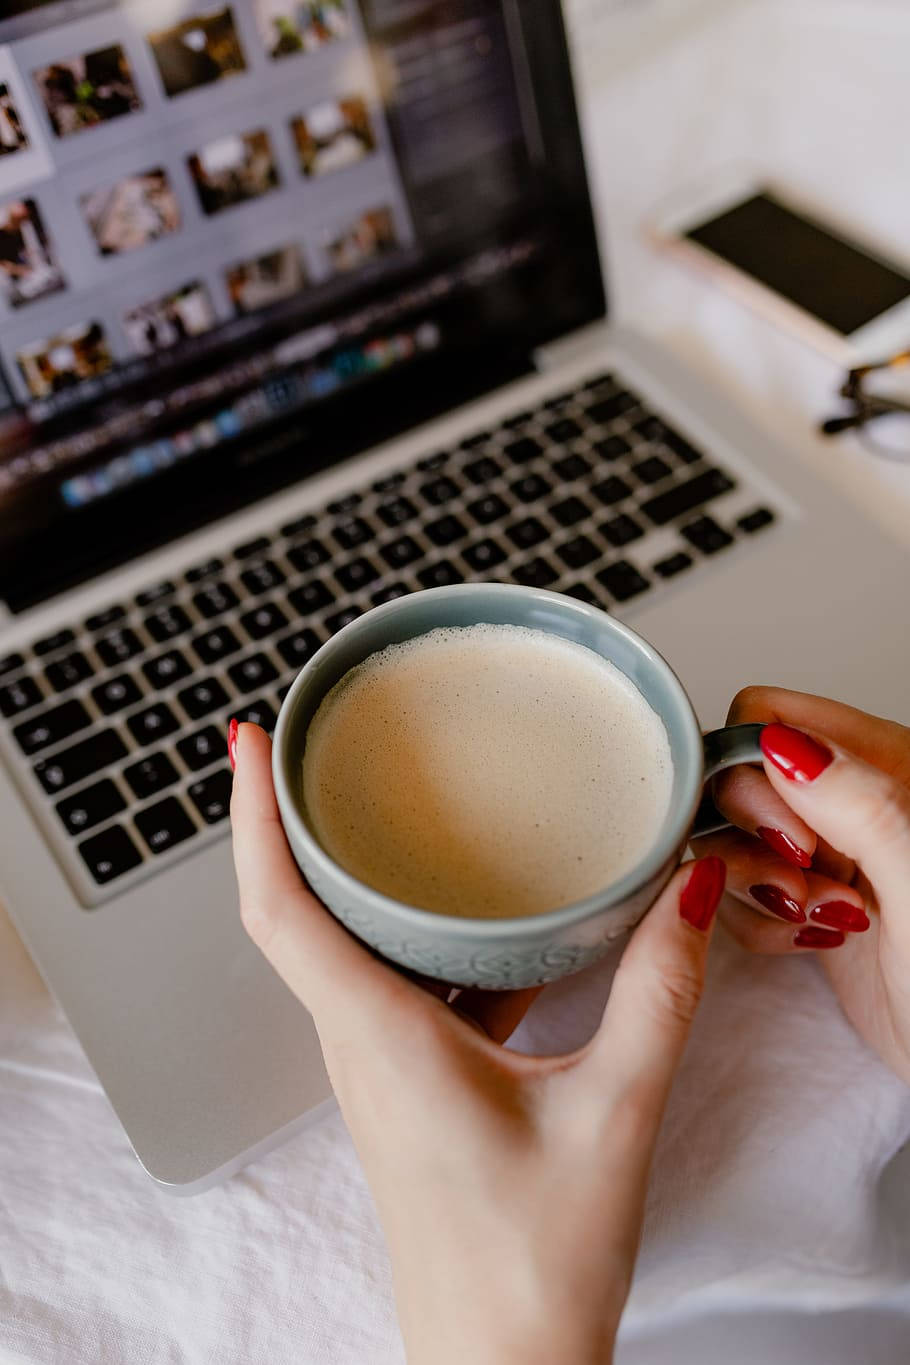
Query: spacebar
(685,496)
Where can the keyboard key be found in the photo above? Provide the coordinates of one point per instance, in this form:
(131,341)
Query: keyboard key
(754,521)
(612,447)
(262,577)
(562,431)
(439,491)
(611,490)
(53,642)
(486,554)
(299,526)
(119,646)
(167,622)
(310,597)
(559,400)
(19,696)
(10,663)
(673,564)
(90,806)
(265,620)
(216,644)
(440,574)
(478,439)
(298,648)
(396,511)
(531,488)
(522,450)
(680,446)
(444,531)
(164,825)
(537,573)
(80,760)
(205,570)
(685,497)
(201,748)
(252,672)
(518,419)
(156,593)
(390,482)
(151,774)
(257,713)
(212,796)
(166,669)
(569,511)
(488,509)
(583,593)
(622,580)
(578,552)
(252,547)
(606,409)
(600,381)
(116,693)
(621,530)
(401,552)
(152,724)
(67,672)
(650,427)
(651,470)
(528,532)
(341,507)
(356,574)
(352,533)
(308,556)
(110,854)
(389,593)
(102,619)
(342,618)
(51,726)
(706,535)
(482,470)
(432,462)
(202,698)
(572,467)
(215,599)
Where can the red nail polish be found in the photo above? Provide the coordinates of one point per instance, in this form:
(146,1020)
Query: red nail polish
(702,892)
(793,753)
(232,743)
(775,899)
(812,937)
(784,845)
(841,915)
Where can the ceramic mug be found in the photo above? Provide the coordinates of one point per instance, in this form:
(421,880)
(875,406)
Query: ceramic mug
(528,950)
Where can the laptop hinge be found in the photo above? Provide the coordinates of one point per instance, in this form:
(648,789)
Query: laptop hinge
(584,341)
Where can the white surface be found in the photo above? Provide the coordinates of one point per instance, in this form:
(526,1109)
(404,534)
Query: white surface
(772,1231)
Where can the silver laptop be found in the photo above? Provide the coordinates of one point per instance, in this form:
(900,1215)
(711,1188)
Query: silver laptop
(301,309)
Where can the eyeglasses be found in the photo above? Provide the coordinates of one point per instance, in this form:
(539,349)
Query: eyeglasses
(880,395)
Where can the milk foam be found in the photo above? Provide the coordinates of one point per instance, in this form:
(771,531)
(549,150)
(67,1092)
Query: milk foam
(486,771)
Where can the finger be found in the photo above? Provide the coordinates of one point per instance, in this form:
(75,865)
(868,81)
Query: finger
(498,1013)
(745,797)
(757,875)
(833,912)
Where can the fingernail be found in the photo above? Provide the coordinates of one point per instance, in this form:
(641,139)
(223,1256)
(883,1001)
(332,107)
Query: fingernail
(785,846)
(775,899)
(811,937)
(793,753)
(232,744)
(702,892)
(841,915)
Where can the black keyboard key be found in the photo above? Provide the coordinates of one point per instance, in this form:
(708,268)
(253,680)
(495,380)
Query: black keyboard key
(67,672)
(482,470)
(445,530)
(102,619)
(252,547)
(488,509)
(439,491)
(203,697)
(537,573)
(396,511)
(531,488)
(611,490)
(116,693)
(570,511)
(19,696)
(265,620)
(583,593)
(578,552)
(205,570)
(754,521)
(56,641)
(560,399)
(478,439)
(310,597)
(357,574)
(80,760)
(599,382)
(486,554)
(154,594)
(522,450)
(440,574)
(342,618)
(389,593)
(215,599)
(119,646)
(51,726)
(262,577)
(299,526)
(216,644)
(528,532)
(563,430)
(110,854)
(517,419)
(10,663)
(706,535)
(166,669)
(621,530)
(650,427)
(612,447)
(572,467)
(673,564)
(212,796)
(167,622)
(308,556)
(152,724)
(431,462)
(252,672)
(341,507)
(90,806)
(651,470)
(606,409)
(352,533)
(201,748)
(685,497)
(164,825)
(298,648)
(151,774)
(622,580)
(402,552)
(257,713)
(681,448)
(390,482)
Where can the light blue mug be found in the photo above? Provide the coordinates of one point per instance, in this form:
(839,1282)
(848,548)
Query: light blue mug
(503,954)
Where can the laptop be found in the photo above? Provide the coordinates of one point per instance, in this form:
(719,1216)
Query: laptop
(302,309)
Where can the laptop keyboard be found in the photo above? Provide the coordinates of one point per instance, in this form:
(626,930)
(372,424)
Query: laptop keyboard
(120,724)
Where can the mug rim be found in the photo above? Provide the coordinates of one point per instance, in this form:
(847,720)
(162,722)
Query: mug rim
(674,829)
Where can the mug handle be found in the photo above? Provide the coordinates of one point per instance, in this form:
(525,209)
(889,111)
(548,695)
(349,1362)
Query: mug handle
(723,749)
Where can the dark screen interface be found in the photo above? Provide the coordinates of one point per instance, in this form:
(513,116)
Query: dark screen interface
(831,279)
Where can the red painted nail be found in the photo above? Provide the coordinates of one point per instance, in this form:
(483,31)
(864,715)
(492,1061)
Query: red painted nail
(841,915)
(702,892)
(812,937)
(785,846)
(775,899)
(793,753)
(232,743)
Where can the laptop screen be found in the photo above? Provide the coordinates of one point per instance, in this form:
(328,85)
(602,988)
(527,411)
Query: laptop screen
(240,242)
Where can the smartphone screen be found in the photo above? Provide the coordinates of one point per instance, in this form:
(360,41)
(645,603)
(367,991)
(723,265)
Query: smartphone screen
(827,276)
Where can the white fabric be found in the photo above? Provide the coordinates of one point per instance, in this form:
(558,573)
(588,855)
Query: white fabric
(776,1227)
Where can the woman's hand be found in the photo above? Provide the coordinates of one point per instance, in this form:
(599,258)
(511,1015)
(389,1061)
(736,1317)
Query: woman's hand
(510,1188)
(823,845)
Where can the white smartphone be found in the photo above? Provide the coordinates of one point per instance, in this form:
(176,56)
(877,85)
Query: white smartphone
(783,257)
